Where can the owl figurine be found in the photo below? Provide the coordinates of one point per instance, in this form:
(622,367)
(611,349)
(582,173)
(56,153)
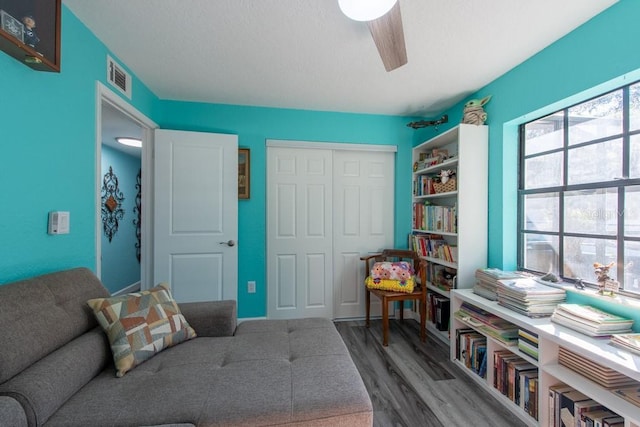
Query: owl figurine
(473,112)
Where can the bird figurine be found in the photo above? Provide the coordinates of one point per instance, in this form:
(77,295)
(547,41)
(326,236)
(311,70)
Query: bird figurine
(473,112)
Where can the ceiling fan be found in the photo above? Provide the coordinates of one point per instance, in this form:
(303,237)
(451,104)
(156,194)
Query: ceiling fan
(385,24)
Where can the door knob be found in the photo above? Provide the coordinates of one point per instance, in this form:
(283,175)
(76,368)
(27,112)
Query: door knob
(229,243)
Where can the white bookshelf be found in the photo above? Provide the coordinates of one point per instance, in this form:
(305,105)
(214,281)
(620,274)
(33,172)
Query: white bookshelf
(467,147)
(551,336)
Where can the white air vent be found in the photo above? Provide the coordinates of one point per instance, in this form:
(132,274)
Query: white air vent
(118,77)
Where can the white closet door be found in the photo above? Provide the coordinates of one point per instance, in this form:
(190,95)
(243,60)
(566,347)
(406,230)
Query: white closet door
(363,220)
(300,234)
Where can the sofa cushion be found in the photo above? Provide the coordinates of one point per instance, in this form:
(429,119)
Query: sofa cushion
(291,373)
(140,324)
(39,315)
(47,384)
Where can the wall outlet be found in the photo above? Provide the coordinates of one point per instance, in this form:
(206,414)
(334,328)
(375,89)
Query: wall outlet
(251,287)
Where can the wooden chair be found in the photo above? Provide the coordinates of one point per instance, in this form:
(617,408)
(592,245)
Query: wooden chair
(419,293)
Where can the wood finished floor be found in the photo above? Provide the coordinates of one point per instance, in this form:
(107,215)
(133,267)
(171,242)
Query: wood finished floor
(415,384)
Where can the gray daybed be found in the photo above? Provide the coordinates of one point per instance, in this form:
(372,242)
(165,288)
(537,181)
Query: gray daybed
(56,367)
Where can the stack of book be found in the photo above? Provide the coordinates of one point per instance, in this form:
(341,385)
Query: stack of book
(569,407)
(487,281)
(517,379)
(529,297)
(602,375)
(630,394)
(528,343)
(629,342)
(590,320)
(471,349)
(488,323)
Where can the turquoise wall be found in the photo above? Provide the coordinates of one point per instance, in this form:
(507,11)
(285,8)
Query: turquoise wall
(596,57)
(254,125)
(120,266)
(48,137)
(47,148)
(593,59)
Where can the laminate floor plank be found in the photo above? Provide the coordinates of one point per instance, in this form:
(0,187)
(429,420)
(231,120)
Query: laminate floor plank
(412,383)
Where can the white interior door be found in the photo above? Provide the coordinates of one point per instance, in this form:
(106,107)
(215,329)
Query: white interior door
(299,236)
(363,221)
(196,214)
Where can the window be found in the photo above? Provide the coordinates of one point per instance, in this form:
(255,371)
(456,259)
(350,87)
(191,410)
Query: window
(579,190)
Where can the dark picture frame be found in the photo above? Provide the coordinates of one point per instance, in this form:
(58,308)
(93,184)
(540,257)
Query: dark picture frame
(244,173)
(37,47)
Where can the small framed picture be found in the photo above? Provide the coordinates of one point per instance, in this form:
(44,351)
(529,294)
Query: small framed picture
(244,173)
(12,25)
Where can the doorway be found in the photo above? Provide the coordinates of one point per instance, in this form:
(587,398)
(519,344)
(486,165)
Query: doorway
(123,262)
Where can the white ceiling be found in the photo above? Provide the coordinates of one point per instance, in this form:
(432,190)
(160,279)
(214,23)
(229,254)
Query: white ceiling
(116,124)
(305,54)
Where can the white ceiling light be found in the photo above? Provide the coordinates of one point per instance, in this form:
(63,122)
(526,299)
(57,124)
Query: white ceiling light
(131,142)
(365,10)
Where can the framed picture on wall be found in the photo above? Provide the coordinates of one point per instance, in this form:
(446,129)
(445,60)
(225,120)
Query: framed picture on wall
(30,32)
(244,169)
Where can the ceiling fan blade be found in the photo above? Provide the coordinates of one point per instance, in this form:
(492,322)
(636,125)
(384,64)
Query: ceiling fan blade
(388,34)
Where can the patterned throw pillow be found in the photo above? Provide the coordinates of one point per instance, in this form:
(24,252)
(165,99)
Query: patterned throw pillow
(391,276)
(140,325)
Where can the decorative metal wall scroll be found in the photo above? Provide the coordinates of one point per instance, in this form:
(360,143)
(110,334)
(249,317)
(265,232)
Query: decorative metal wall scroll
(137,210)
(112,199)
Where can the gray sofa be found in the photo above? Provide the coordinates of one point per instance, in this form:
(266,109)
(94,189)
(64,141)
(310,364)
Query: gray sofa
(56,367)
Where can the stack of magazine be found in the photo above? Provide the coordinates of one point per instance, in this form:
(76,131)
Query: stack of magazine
(529,297)
(629,342)
(488,323)
(590,320)
(487,281)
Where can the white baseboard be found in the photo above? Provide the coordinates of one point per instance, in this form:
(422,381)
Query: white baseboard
(134,287)
(245,319)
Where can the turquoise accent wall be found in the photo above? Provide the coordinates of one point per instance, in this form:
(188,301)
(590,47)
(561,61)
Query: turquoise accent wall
(254,125)
(48,152)
(120,266)
(592,59)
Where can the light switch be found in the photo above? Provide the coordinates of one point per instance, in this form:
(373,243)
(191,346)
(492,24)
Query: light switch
(58,222)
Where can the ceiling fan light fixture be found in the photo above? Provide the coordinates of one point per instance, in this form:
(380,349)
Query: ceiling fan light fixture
(365,10)
(131,142)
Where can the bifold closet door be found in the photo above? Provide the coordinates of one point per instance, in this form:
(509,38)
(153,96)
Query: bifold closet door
(363,218)
(299,233)
(325,209)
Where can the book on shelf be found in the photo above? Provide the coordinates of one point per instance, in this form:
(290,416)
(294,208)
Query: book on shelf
(594,418)
(630,342)
(471,350)
(630,394)
(492,325)
(555,392)
(567,407)
(442,306)
(517,379)
(590,320)
(602,375)
(529,393)
(528,343)
(435,218)
(460,341)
